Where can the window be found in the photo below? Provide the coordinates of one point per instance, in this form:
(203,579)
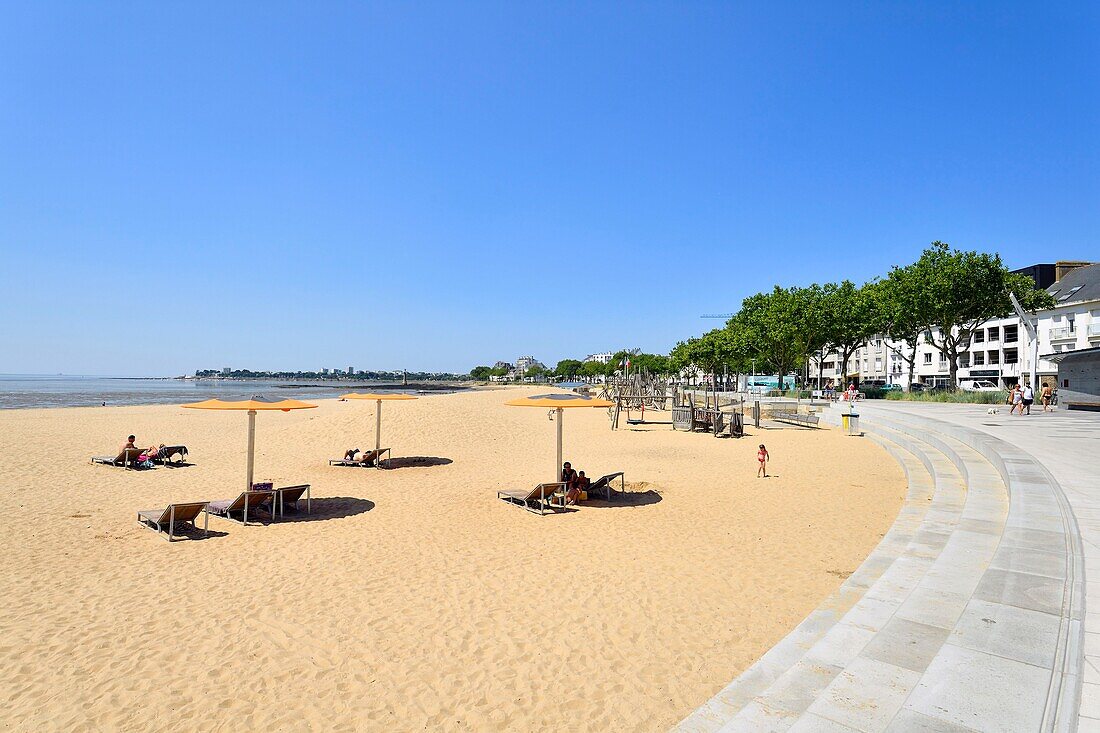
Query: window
(979,358)
(927,358)
(1012,334)
(978,336)
(943,358)
(1010,356)
(994,333)
(993,357)
(1070,294)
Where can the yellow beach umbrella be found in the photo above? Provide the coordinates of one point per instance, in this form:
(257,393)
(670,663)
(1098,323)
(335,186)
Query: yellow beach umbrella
(378,413)
(559,402)
(251,404)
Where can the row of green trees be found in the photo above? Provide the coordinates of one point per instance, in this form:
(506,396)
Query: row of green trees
(944,297)
(577,369)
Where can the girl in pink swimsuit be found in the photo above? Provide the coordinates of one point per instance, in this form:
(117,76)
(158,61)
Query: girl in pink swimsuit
(762,458)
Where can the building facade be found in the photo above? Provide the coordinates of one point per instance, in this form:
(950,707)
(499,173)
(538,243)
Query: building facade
(1000,350)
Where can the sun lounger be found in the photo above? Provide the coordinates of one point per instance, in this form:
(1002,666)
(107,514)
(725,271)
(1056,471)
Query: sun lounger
(537,499)
(603,484)
(160,519)
(370,458)
(290,496)
(165,454)
(248,501)
(127,458)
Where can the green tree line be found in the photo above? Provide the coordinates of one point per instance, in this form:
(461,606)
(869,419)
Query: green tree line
(942,298)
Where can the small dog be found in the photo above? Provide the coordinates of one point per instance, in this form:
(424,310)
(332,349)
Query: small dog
(991,411)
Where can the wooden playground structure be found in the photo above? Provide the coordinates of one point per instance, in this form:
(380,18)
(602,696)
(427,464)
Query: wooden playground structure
(635,392)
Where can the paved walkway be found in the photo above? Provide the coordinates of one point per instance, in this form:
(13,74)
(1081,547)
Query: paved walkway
(970,614)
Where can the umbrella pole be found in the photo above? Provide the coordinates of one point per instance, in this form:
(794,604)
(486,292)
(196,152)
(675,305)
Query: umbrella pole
(378,430)
(251,448)
(558,463)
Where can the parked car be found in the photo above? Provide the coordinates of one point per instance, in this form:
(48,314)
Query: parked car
(980,385)
(872,384)
(892,388)
(918,387)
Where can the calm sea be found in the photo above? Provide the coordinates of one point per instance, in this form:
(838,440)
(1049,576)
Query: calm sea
(69,391)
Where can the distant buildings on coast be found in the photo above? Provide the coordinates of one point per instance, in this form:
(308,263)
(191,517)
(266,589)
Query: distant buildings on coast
(329,374)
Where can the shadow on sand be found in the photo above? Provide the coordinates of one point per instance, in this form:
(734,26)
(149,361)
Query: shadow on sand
(620,500)
(415,462)
(329,507)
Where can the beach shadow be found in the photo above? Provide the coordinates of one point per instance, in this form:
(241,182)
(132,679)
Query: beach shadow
(194,534)
(415,462)
(329,507)
(175,465)
(620,500)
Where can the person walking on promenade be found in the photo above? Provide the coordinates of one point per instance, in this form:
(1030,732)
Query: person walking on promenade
(1016,397)
(1029,398)
(1044,395)
(762,458)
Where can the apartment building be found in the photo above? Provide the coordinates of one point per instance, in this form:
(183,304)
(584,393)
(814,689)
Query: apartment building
(1000,350)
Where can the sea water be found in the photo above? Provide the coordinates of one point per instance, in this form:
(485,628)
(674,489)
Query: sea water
(20,390)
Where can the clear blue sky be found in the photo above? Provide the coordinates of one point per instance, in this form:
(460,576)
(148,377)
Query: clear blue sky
(434,186)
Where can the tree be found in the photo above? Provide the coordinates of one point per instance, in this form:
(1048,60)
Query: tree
(481,373)
(962,290)
(901,313)
(535,371)
(593,369)
(783,327)
(850,312)
(568,368)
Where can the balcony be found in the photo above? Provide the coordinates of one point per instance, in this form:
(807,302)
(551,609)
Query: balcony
(1094,332)
(1063,334)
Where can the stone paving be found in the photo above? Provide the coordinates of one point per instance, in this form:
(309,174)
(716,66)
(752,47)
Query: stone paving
(970,614)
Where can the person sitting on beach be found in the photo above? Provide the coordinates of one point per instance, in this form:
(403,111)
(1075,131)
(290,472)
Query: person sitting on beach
(128,444)
(568,475)
(762,457)
(581,484)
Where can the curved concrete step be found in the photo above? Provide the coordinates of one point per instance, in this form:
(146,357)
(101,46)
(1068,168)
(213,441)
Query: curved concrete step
(773,692)
(966,617)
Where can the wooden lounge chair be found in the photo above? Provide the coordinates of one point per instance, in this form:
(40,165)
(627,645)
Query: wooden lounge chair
(126,459)
(290,496)
(165,454)
(159,519)
(538,499)
(248,501)
(603,484)
(370,458)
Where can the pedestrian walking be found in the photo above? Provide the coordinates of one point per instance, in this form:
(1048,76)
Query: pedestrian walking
(1016,398)
(1045,396)
(1028,398)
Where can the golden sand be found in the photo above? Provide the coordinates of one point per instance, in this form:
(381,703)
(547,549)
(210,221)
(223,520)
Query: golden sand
(412,599)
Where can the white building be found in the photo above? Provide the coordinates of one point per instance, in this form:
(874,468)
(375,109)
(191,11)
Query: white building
(999,349)
(602,358)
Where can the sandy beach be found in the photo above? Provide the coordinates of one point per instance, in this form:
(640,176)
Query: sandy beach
(412,599)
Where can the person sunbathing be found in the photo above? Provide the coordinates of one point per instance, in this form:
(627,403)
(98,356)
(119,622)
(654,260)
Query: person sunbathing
(128,444)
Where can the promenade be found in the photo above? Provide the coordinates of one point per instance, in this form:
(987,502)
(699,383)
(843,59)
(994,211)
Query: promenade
(970,615)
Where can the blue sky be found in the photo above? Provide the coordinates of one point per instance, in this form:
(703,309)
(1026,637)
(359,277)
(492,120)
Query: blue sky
(434,186)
